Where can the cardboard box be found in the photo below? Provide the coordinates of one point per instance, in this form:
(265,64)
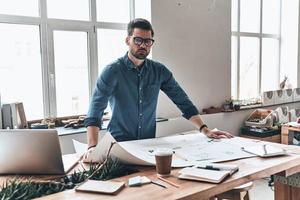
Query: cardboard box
(288,95)
(282,114)
(294,114)
(296,94)
(268,98)
(279,96)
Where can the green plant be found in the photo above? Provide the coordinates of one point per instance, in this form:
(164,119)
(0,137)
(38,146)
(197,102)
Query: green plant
(19,188)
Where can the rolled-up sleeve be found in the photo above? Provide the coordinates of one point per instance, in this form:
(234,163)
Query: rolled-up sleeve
(103,90)
(173,90)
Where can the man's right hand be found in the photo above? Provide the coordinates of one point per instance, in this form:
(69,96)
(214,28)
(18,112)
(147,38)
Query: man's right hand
(93,155)
(89,154)
(92,139)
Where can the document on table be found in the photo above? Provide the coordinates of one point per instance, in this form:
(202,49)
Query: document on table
(102,148)
(189,149)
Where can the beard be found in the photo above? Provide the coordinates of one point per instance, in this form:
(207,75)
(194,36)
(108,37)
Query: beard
(140,54)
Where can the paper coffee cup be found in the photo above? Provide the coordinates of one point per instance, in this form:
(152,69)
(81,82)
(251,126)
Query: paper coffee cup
(163,159)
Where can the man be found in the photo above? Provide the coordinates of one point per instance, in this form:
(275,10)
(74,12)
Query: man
(131,85)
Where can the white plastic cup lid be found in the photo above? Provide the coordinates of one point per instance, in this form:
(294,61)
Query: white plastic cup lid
(163,152)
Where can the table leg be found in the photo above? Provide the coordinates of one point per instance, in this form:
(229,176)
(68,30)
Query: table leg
(286,135)
(285,191)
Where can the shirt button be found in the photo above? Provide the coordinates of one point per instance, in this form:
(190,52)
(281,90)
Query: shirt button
(140,101)
(141,114)
(140,127)
(140,88)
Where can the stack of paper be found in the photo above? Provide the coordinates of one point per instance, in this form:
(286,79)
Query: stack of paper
(214,173)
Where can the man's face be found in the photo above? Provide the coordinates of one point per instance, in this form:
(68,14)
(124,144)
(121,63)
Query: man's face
(140,43)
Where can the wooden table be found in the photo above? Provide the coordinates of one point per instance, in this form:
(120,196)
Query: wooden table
(288,191)
(249,169)
(287,134)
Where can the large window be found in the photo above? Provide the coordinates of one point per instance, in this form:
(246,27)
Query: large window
(20,67)
(111,43)
(258,46)
(71,69)
(52,51)
(20,7)
(68,9)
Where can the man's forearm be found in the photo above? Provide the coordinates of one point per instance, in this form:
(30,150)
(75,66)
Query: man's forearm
(92,135)
(197,121)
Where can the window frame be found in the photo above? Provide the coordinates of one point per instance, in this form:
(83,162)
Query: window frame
(238,34)
(47,26)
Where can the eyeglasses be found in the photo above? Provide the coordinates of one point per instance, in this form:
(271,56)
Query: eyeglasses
(139,41)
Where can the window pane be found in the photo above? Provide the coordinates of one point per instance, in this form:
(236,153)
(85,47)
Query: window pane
(20,68)
(143,9)
(68,9)
(234,67)
(270,66)
(250,15)
(107,11)
(271,16)
(20,7)
(234,14)
(289,42)
(111,45)
(71,69)
(249,59)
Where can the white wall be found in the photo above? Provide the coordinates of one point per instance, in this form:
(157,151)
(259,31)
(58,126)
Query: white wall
(193,40)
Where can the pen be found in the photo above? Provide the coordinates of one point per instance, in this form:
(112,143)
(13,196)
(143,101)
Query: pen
(155,183)
(214,140)
(209,167)
(265,149)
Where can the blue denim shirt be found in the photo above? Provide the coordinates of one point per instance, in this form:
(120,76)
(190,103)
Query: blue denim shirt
(132,95)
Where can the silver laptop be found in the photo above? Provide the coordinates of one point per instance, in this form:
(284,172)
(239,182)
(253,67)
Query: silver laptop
(31,151)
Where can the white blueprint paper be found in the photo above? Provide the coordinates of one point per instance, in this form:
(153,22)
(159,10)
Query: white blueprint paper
(101,151)
(189,149)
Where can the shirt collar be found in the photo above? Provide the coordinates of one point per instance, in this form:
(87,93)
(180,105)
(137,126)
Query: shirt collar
(129,64)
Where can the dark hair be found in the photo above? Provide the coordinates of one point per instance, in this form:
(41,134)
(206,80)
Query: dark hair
(139,23)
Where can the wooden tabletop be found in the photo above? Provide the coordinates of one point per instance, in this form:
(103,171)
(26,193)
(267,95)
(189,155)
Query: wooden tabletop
(249,169)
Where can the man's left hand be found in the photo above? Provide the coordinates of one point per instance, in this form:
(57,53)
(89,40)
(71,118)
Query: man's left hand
(217,134)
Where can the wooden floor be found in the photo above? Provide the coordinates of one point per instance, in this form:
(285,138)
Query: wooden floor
(261,191)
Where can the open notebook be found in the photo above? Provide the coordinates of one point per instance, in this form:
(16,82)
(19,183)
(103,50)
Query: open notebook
(265,150)
(213,172)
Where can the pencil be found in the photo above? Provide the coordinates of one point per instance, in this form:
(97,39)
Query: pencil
(167,181)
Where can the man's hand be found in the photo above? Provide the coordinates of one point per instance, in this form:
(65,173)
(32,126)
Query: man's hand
(89,156)
(217,134)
